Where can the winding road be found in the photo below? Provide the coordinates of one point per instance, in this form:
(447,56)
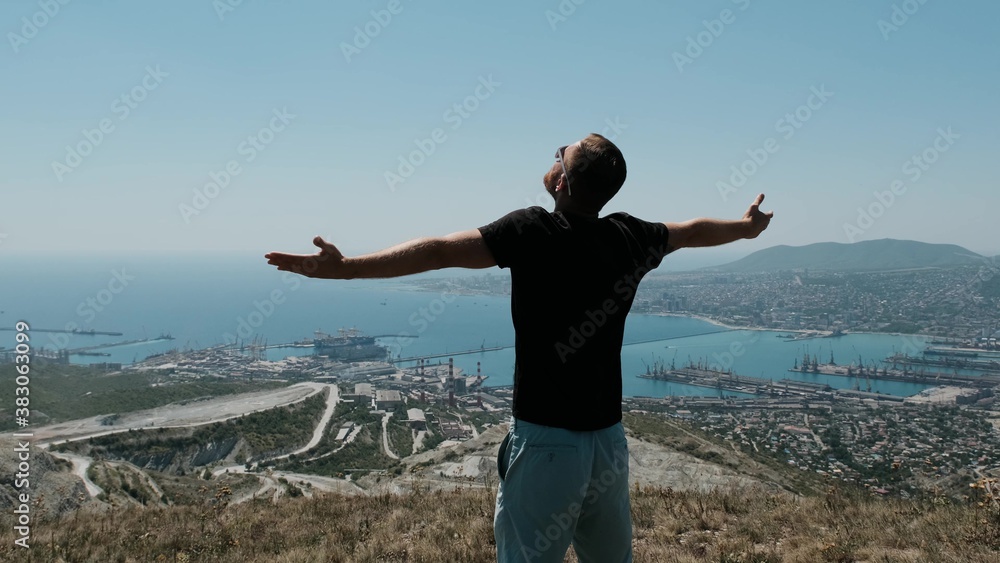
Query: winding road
(80,466)
(385,436)
(192,413)
(331,404)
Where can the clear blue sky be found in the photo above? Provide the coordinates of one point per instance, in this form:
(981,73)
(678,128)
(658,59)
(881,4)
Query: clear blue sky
(197,84)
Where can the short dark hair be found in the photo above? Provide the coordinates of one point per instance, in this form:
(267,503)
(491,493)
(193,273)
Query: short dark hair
(598,168)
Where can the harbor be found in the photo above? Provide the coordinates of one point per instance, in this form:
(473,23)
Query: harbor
(91,350)
(699,376)
(811,365)
(964,360)
(76,331)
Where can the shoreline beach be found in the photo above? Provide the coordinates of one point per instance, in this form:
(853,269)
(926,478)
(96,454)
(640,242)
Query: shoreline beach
(778,329)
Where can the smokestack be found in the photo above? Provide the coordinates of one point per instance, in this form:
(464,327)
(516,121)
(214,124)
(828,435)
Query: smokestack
(451,367)
(479,369)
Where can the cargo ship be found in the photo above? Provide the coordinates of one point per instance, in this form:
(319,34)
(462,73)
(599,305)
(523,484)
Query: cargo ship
(349,345)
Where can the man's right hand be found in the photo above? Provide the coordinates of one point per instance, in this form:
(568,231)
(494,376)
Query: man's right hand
(756,219)
(328,263)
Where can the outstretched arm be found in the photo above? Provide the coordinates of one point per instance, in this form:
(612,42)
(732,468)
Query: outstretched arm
(713,232)
(464,249)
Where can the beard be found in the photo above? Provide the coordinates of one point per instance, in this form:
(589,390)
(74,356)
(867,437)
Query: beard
(550,180)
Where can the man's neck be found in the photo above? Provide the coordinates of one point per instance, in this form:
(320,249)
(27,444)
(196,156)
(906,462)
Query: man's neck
(569,209)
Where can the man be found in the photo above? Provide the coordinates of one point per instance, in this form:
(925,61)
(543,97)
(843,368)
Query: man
(564,463)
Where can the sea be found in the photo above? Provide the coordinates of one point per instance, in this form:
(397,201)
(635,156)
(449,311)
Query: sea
(204,301)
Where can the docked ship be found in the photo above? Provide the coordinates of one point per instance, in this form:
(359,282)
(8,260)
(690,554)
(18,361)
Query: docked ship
(349,345)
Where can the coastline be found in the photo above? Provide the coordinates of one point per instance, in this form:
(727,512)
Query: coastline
(796,330)
(725,325)
(419,288)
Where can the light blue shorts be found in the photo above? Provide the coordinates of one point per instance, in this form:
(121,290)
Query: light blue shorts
(559,488)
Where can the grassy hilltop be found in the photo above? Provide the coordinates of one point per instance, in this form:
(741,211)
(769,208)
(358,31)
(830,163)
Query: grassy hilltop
(732,526)
(762,515)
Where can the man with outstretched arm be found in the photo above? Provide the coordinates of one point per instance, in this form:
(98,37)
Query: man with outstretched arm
(564,463)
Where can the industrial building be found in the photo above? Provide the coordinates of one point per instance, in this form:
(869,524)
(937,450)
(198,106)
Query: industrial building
(417,419)
(388,399)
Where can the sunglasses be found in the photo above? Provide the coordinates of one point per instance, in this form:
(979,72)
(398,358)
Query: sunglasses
(561,159)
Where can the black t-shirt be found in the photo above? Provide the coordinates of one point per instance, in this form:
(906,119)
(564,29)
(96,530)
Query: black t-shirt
(574,279)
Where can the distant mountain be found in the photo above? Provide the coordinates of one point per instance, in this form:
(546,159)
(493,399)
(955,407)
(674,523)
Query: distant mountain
(873,255)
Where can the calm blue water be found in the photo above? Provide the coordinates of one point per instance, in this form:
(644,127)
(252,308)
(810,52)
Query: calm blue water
(201,301)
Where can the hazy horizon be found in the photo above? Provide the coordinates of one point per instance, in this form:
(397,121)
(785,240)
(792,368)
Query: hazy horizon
(684,260)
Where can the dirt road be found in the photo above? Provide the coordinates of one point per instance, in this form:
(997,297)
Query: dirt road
(191,413)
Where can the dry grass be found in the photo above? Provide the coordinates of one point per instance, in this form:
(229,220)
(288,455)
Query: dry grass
(734,526)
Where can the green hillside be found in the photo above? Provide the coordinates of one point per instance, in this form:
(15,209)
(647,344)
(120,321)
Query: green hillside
(884,254)
(62,392)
